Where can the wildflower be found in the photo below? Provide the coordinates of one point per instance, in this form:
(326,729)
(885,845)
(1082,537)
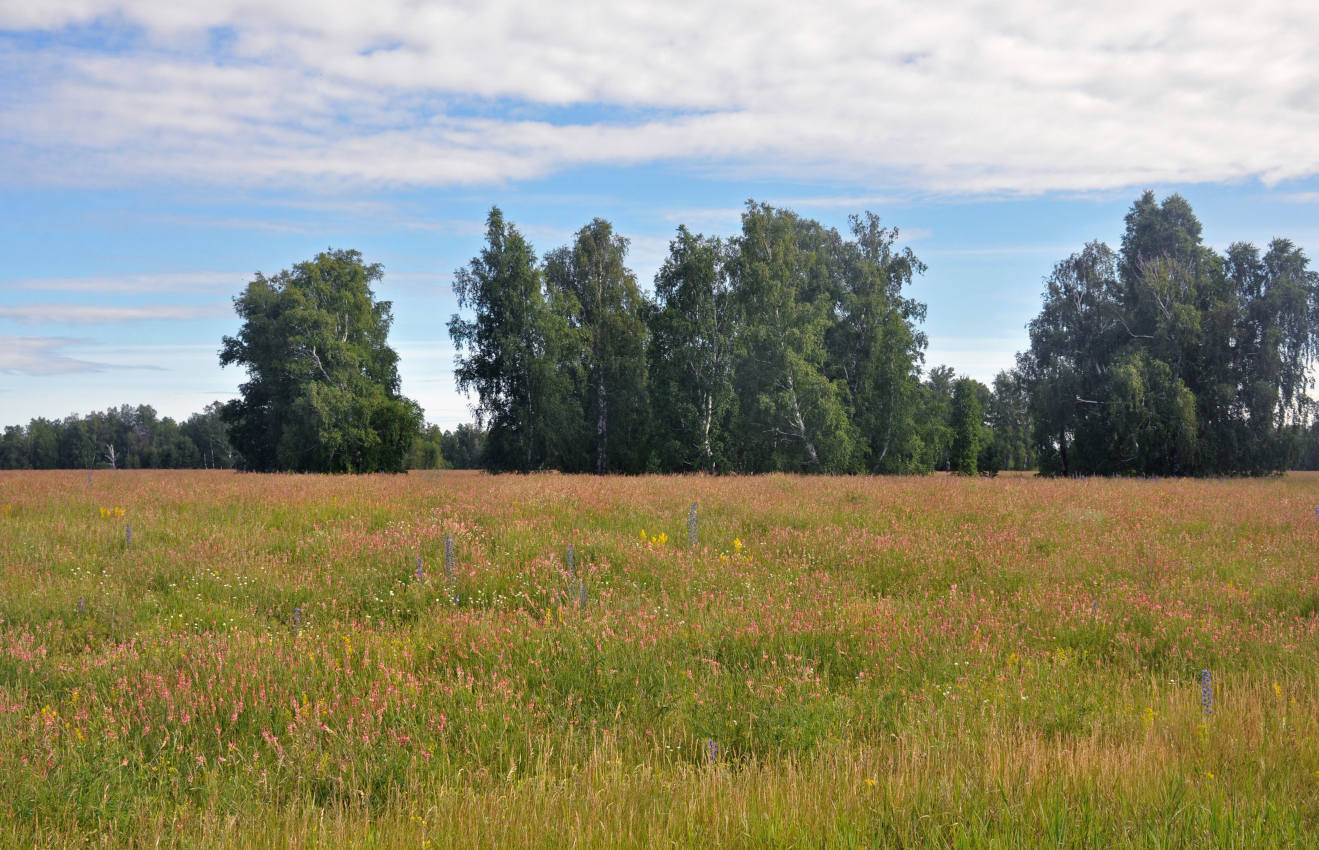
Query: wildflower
(737,544)
(870,782)
(1206,692)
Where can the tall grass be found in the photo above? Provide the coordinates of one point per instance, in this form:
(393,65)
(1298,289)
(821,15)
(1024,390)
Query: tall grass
(874,662)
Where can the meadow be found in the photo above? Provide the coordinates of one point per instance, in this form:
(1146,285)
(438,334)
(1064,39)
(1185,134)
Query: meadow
(834,662)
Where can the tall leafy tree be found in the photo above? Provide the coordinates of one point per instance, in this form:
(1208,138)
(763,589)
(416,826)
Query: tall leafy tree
(323,389)
(1072,339)
(793,407)
(690,354)
(596,293)
(1008,414)
(1272,345)
(966,421)
(875,348)
(508,353)
(1169,359)
(463,447)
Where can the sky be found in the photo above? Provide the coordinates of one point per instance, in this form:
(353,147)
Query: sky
(155,155)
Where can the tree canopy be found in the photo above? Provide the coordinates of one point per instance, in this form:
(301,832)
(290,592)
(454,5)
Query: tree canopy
(322,392)
(1167,358)
(787,347)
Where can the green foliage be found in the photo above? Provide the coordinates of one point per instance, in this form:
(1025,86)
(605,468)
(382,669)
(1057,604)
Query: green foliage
(966,420)
(124,437)
(596,297)
(690,355)
(793,408)
(1169,359)
(427,451)
(511,353)
(1009,418)
(464,447)
(875,348)
(322,389)
(787,348)
(936,418)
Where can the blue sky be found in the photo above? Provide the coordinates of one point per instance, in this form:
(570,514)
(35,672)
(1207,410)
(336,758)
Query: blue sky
(152,157)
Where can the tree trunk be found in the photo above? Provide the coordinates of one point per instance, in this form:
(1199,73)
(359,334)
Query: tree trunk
(601,420)
(706,453)
(800,423)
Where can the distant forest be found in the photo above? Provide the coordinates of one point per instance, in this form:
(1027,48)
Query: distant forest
(787,347)
(129,437)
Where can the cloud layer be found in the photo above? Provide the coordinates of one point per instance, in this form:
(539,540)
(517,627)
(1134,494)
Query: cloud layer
(94,314)
(972,97)
(41,356)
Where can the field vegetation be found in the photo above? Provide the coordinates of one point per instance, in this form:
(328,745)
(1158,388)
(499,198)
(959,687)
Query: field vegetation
(835,662)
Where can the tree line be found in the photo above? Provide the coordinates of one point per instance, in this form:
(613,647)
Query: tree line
(1167,358)
(135,437)
(125,437)
(788,346)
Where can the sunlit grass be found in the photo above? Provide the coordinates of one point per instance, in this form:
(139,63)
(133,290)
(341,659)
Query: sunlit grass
(838,662)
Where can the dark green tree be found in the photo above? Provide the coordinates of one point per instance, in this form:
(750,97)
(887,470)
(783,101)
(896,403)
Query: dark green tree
(875,348)
(510,352)
(323,390)
(596,294)
(967,423)
(1170,359)
(1008,415)
(793,404)
(464,447)
(427,450)
(43,443)
(209,435)
(78,449)
(14,448)
(690,355)
(935,418)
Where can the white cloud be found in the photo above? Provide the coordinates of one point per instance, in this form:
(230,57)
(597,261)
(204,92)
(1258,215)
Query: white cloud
(42,356)
(969,97)
(134,284)
(89,314)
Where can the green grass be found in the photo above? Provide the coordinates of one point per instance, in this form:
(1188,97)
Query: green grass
(883,662)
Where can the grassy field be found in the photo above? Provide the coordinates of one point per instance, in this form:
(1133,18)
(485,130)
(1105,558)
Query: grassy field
(838,662)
